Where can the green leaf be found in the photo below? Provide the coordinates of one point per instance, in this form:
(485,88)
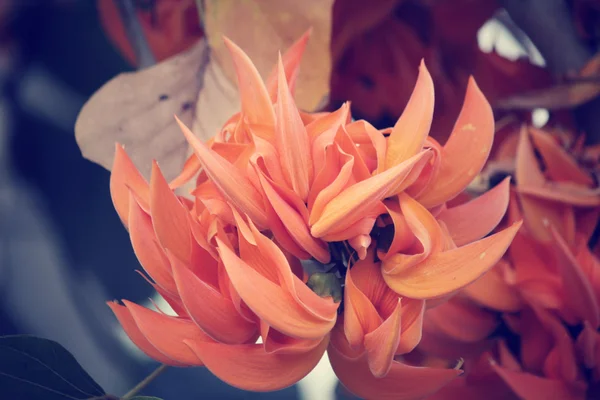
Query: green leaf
(33,368)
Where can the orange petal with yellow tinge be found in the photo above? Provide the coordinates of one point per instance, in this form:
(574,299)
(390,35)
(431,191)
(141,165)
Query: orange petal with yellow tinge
(167,333)
(579,293)
(270,301)
(411,129)
(125,178)
(250,367)
(133,332)
(291,65)
(169,217)
(381,344)
(292,140)
(231,182)
(560,166)
(147,250)
(209,309)
(256,103)
(445,272)
(358,200)
(475,219)
(403,382)
(473,134)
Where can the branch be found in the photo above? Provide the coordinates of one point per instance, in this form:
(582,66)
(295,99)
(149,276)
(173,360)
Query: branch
(549,25)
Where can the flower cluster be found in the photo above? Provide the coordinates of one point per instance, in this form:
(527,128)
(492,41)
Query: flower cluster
(530,326)
(314,233)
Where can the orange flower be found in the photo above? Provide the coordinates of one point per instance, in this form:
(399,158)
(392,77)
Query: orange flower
(547,281)
(285,204)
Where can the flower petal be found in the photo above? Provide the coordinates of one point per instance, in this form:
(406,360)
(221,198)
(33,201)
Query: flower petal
(209,309)
(291,64)
(167,333)
(147,250)
(531,387)
(403,382)
(133,332)
(444,272)
(473,134)
(256,104)
(232,184)
(269,301)
(124,178)
(560,166)
(493,291)
(411,129)
(250,367)
(169,217)
(579,293)
(359,199)
(292,140)
(475,219)
(382,343)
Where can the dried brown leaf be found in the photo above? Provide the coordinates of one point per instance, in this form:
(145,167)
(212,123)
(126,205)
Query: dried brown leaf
(136,109)
(262,28)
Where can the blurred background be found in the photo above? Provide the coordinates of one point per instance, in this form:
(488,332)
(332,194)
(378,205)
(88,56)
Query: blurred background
(63,250)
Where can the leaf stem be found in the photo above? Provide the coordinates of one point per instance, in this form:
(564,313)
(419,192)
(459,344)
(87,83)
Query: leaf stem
(145,382)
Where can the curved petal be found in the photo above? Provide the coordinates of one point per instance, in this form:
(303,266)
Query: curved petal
(292,141)
(411,129)
(473,134)
(190,169)
(412,315)
(214,313)
(256,104)
(167,333)
(463,321)
(169,217)
(136,336)
(475,219)
(360,316)
(579,294)
(357,200)
(444,272)
(250,367)
(294,223)
(232,184)
(382,343)
(403,382)
(424,227)
(124,178)
(291,65)
(269,301)
(560,166)
(147,250)
(531,387)
(493,291)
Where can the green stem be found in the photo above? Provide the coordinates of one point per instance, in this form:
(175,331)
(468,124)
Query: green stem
(140,386)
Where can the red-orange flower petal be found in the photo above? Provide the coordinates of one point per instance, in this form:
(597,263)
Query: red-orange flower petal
(167,333)
(124,178)
(473,134)
(256,103)
(444,272)
(411,129)
(250,367)
(475,219)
